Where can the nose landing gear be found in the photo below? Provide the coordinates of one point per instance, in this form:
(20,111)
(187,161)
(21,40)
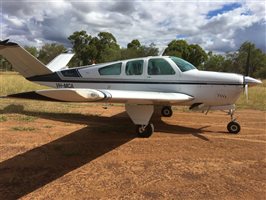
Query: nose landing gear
(233,126)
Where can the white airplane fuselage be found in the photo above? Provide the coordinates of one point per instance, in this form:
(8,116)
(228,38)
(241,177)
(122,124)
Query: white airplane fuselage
(208,88)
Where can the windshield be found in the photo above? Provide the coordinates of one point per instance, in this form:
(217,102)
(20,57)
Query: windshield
(182,64)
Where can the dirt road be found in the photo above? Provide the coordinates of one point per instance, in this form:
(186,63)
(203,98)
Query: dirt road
(94,154)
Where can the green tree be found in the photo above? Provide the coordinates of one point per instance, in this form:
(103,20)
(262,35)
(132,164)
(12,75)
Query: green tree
(128,53)
(50,51)
(80,41)
(197,55)
(107,39)
(150,50)
(214,63)
(89,50)
(108,48)
(93,51)
(135,44)
(179,48)
(135,50)
(257,61)
(5,65)
(236,62)
(132,50)
(32,50)
(192,53)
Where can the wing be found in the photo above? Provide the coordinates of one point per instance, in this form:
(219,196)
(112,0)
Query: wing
(111,96)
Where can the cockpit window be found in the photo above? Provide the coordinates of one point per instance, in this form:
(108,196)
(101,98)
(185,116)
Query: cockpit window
(134,67)
(159,66)
(182,64)
(114,69)
(70,73)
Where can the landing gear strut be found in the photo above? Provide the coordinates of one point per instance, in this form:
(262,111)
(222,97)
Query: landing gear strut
(167,111)
(233,126)
(144,131)
(140,115)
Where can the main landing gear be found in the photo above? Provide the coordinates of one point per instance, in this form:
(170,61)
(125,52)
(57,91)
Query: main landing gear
(167,111)
(144,131)
(233,126)
(140,115)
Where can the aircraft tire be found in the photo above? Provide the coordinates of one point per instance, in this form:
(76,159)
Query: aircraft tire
(167,111)
(144,131)
(233,127)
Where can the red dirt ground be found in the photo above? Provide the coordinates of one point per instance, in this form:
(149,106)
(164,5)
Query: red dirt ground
(95,155)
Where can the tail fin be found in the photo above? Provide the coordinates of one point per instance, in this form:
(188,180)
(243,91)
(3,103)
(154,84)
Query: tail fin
(21,60)
(60,62)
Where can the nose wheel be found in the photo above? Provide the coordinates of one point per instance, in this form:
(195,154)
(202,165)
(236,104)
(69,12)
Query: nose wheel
(233,126)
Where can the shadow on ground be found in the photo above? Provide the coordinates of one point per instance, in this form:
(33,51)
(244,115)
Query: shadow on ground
(35,168)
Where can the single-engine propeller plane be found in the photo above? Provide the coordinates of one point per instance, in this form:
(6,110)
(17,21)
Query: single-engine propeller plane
(139,83)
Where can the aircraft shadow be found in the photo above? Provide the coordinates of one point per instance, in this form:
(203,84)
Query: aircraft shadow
(78,118)
(35,168)
(163,127)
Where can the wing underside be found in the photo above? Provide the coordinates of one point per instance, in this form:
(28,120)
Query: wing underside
(111,96)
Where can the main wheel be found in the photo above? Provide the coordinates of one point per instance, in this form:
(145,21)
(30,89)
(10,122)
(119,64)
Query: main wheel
(233,127)
(145,131)
(167,111)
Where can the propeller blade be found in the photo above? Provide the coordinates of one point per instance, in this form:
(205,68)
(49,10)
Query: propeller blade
(246,92)
(248,81)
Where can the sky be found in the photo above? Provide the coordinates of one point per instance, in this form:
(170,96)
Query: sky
(216,25)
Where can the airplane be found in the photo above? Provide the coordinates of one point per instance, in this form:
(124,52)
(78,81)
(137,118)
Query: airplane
(139,83)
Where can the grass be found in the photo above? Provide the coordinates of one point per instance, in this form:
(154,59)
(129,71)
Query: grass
(21,128)
(26,118)
(3,118)
(256,98)
(12,82)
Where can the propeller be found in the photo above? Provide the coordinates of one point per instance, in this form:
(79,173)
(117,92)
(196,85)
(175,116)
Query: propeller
(247,80)
(246,92)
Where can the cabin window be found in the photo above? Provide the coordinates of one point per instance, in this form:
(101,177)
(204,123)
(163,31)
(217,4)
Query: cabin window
(114,69)
(134,67)
(182,64)
(159,66)
(70,73)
